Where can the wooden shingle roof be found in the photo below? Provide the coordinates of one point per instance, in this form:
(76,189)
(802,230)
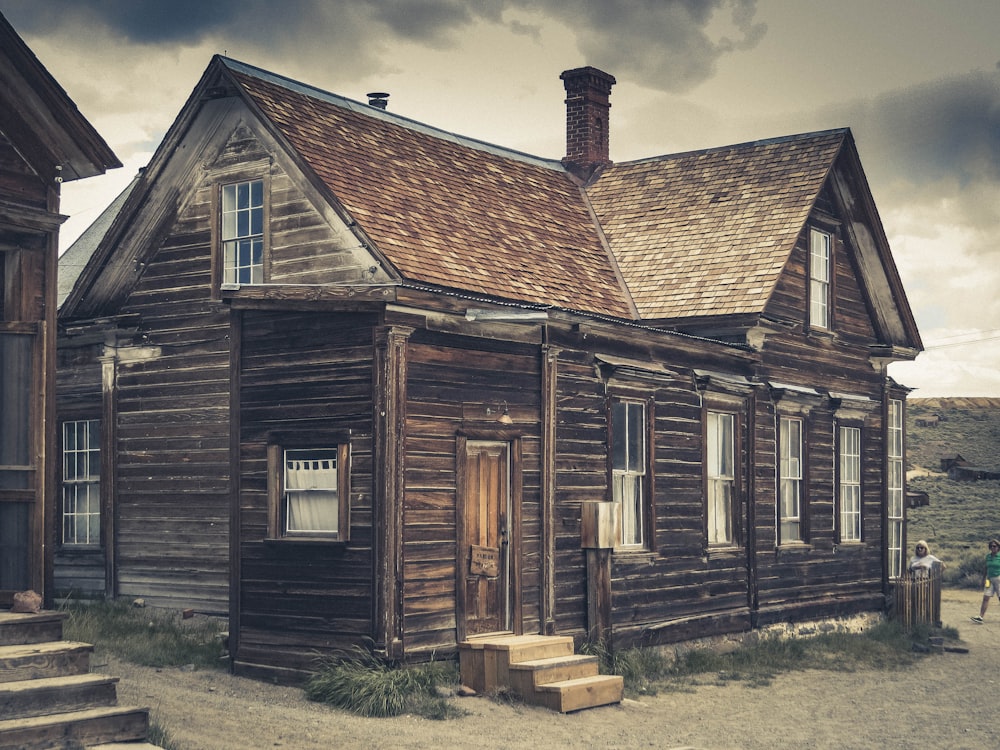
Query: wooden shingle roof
(445,211)
(709,232)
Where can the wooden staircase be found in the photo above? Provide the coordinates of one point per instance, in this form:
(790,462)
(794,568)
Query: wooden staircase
(542,670)
(49,698)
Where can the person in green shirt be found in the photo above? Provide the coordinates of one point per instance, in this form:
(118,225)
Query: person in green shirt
(991,583)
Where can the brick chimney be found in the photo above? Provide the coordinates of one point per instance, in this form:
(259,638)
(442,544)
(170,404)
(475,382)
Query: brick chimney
(587,106)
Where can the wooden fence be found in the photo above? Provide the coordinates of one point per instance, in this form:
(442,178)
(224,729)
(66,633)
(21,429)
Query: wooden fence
(918,598)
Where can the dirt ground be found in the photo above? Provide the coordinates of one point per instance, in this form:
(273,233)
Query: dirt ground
(946,702)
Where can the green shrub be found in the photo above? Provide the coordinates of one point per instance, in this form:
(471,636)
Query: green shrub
(366,685)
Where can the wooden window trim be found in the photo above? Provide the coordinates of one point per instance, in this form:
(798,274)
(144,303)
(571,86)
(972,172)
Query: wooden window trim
(829,327)
(218,252)
(838,497)
(647,512)
(276,506)
(60,504)
(803,540)
(736,502)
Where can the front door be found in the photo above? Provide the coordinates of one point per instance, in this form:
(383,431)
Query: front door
(484,541)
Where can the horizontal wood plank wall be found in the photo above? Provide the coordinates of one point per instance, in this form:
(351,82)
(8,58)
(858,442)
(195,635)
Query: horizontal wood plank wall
(77,573)
(675,590)
(824,577)
(452,381)
(172,480)
(304,372)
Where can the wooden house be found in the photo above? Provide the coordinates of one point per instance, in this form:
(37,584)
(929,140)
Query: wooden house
(44,141)
(360,379)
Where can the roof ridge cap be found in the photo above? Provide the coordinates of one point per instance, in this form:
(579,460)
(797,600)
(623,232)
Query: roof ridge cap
(362,108)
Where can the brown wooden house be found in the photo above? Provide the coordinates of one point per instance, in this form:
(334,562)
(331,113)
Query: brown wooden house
(44,141)
(360,379)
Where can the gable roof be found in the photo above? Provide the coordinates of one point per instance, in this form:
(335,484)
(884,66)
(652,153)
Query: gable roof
(698,234)
(37,114)
(709,232)
(443,210)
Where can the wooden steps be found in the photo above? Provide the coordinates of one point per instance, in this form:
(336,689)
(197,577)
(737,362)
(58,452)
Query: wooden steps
(541,670)
(49,698)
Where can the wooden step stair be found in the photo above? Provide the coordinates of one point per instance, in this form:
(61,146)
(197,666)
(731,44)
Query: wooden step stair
(49,698)
(541,670)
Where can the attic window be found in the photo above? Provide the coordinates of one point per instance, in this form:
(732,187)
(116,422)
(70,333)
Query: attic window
(820,247)
(243,232)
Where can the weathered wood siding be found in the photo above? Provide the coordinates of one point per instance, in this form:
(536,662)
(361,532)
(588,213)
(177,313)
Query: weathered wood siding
(77,573)
(451,382)
(304,372)
(172,432)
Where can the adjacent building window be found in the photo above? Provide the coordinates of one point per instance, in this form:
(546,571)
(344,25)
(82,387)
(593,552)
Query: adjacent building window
(720,462)
(849,481)
(895,486)
(628,472)
(308,492)
(820,245)
(790,485)
(81,482)
(243,233)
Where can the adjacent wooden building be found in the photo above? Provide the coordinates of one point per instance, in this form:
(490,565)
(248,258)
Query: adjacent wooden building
(358,379)
(44,141)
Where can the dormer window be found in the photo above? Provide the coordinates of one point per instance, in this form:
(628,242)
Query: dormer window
(243,232)
(820,246)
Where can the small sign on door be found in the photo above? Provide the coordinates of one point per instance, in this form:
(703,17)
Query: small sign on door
(484,561)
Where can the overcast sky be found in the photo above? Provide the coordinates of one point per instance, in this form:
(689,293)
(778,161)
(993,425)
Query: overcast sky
(918,82)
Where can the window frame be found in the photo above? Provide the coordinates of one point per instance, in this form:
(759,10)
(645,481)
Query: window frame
(93,482)
(219,266)
(799,477)
(850,520)
(277,500)
(710,480)
(643,481)
(895,485)
(814,282)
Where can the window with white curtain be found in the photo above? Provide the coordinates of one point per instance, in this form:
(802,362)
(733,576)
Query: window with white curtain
(311,495)
(308,490)
(895,486)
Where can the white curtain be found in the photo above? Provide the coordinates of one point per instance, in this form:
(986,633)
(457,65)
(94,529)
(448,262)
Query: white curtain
(311,489)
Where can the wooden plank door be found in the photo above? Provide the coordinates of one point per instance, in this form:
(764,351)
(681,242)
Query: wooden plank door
(484,506)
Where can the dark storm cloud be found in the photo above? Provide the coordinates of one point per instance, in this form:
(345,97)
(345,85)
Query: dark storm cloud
(934,145)
(662,44)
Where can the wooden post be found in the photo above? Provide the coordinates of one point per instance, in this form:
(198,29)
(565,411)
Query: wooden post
(599,532)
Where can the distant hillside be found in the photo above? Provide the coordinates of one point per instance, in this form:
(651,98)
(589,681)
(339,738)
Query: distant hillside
(967,426)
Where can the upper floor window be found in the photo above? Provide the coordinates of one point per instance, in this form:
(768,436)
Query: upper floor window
(243,232)
(791,477)
(308,490)
(720,462)
(820,246)
(849,483)
(628,470)
(81,482)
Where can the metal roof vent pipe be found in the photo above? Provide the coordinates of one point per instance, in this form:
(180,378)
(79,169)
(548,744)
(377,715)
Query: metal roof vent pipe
(378,99)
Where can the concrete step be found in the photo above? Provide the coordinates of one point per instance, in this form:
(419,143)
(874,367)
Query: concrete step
(52,695)
(578,694)
(93,726)
(16,628)
(527,676)
(32,661)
